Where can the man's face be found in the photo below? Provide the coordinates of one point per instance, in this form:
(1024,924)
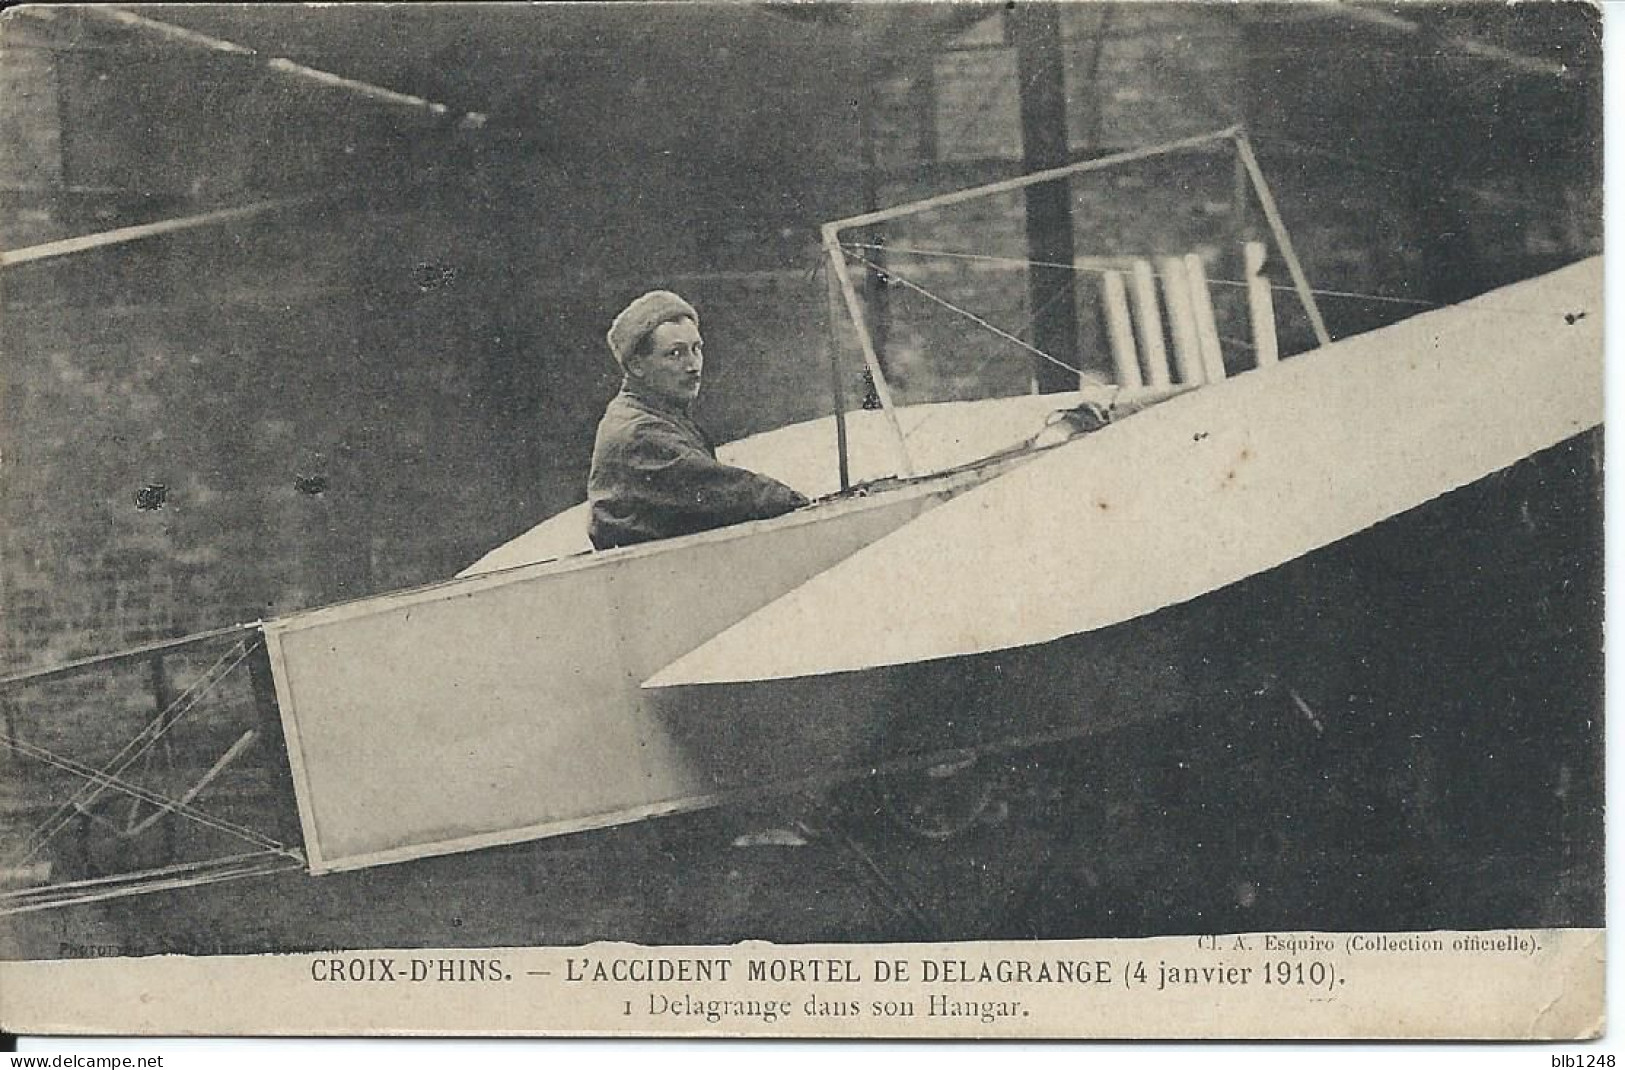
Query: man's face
(672,368)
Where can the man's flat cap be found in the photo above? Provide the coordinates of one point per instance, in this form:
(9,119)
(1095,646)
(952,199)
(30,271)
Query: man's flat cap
(642,316)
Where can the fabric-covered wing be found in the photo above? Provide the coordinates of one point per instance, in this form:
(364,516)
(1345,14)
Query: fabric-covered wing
(1198,493)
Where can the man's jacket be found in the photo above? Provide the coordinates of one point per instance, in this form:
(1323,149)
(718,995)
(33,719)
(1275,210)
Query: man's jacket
(656,475)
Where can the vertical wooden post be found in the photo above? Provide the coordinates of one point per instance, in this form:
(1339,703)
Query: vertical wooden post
(1181,320)
(1120,329)
(1260,305)
(923,102)
(284,819)
(87,857)
(837,386)
(1148,316)
(854,308)
(1035,30)
(1207,328)
(1239,200)
(875,291)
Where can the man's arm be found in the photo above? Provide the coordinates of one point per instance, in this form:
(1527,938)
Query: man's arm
(668,485)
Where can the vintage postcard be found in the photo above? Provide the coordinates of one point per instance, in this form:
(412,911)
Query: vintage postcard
(1031,520)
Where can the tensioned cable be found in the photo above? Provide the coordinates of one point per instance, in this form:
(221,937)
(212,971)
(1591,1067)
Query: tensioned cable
(167,718)
(1014,261)
(973,317)
(155,798)
(100,780)
(1543,313)
(997,330)
(243,742)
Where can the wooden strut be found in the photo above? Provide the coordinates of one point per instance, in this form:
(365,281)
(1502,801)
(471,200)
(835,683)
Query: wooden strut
(1472,46)
(1148,319)
(831,233)
(1246,161)
(161,699)
(147,882)
(1120,329)
(854,308)
(191,38)
(134,653)
(115,783)
(244,741)
(1272,214)
(1207,328)
(838,390)
(86,242)
(101,780)
(1260,305)
(1022,181)
(1176,294)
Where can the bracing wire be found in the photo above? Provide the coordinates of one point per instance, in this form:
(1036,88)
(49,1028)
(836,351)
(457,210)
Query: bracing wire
(1013,261)
(973,317)
(100,780)
(178,806)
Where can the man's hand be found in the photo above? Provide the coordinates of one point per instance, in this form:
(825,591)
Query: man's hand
(1089,416)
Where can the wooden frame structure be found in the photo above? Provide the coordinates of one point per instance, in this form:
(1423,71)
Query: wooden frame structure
(270,855)
(830,234)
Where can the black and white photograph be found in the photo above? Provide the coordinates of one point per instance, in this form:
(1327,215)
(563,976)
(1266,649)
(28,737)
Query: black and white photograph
(624,477)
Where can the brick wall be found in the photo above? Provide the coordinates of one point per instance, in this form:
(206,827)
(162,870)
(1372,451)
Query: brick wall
(356,396)
(1135,75)
(1144,74)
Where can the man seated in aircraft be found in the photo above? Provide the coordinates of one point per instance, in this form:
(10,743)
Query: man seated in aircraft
(654,473)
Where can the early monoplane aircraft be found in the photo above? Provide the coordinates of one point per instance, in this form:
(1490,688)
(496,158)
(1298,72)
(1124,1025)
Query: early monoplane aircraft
(965,573)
